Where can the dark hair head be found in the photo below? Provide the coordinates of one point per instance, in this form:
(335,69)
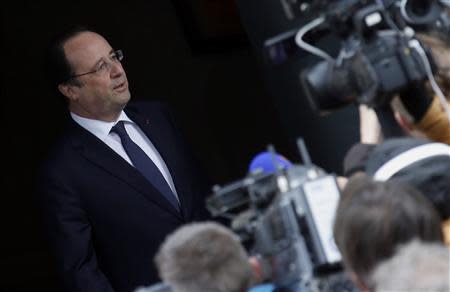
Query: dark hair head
(58,68)
(373,218)
(356,158)
(431,175)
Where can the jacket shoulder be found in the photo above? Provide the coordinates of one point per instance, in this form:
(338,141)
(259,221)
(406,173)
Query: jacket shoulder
(148,107)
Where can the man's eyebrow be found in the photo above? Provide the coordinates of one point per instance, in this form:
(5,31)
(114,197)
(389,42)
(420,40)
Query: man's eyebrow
(102,58)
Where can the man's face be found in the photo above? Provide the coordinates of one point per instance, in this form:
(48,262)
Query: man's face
(102,94)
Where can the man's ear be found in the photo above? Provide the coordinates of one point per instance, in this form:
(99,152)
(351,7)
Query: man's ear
(255,264)
(68,90)
(404,123)
(358,282)
(408,126)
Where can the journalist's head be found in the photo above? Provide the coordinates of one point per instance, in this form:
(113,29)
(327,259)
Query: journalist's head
(373,218)
(204,257)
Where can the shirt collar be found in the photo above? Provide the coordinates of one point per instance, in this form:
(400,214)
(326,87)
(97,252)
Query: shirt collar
(99,128)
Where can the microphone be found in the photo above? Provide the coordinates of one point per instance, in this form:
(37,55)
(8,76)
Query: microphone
(268,162)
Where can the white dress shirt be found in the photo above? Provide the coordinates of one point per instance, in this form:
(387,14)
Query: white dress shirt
(102,130)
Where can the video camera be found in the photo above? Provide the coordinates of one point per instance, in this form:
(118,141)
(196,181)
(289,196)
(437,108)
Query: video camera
(379,54)
(286,219)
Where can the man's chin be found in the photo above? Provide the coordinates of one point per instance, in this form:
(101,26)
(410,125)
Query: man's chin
(124,98)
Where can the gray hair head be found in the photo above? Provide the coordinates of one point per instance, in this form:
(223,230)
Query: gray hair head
(204,257)
(416,266)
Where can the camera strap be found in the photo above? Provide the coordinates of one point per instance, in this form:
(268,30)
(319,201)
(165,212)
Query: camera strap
(409,157)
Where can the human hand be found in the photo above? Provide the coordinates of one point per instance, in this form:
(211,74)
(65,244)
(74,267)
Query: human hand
(369,126)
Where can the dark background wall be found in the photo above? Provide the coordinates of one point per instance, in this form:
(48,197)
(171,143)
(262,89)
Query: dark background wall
(228,103)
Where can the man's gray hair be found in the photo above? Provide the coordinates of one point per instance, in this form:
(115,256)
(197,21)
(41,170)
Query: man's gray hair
(204,257)
(416,266)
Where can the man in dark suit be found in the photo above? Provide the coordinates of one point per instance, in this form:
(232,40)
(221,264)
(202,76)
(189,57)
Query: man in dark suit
(121,177)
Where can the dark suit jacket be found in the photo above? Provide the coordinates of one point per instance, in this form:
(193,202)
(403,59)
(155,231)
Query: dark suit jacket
(105,220)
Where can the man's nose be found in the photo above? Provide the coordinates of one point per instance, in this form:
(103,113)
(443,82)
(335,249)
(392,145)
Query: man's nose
(116,69)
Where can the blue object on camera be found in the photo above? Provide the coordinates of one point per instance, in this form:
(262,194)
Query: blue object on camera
(268,162)
(262,288)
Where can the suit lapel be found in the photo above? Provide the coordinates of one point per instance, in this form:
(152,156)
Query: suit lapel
(103,156)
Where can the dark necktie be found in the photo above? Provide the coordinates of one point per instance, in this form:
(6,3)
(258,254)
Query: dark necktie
(144,164)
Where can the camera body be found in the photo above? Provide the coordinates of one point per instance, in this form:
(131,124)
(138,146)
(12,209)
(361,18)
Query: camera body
(371,73)
(378,56)
(286,220)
